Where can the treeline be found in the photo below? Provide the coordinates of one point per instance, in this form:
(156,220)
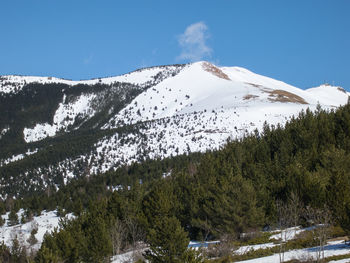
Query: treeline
(222,195)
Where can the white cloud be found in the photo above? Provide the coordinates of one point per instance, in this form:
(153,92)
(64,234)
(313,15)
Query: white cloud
(193,42)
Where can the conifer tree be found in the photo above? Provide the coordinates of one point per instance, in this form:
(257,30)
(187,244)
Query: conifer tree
(45,255)
(168,241)
(13,218)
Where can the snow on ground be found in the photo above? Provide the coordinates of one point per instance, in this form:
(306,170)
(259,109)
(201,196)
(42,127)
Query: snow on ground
(347,260)
(333,248)
(17,157)
(285,235)
(198,244)
(39,132)
(245,249)
(65,116)
(131,256)
(189,132)
(46,222)
(290,233)
(122,258)
(327,94)
(4,131)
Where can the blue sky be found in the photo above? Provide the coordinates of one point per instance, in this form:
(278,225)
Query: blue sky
(302,42)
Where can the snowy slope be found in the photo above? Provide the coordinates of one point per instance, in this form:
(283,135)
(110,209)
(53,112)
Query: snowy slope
(329,95)
(200,108)
(202,86)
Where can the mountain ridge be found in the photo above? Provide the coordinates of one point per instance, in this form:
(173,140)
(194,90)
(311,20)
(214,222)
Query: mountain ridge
(93,126)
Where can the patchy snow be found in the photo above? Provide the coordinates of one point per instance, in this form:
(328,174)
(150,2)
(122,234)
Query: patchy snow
(17,157)
(285,234)
(192,132)
(346,260)
(245,249)
(39,132)
(130,256)
(4,131)
(333,248)
(65,116)
(197,244)
(46,222)
(66,113)
(290,233)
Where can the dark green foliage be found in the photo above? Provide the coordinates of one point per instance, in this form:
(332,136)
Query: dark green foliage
(46,255)
(85,239)
(227,205)
(13,218)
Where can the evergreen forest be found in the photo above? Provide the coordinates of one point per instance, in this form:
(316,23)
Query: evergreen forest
(217,195)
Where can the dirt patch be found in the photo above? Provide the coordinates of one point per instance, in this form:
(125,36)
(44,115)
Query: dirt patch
(285,96)
(214,70)
(250,96)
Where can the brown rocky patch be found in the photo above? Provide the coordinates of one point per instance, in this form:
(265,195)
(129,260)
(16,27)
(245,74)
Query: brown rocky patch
(214,70)
(341,89)
(285,96)
(250,96)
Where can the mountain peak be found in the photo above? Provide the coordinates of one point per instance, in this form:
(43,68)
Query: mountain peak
(153,112)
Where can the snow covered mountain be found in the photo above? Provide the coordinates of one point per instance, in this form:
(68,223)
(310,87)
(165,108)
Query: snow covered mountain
(149,113)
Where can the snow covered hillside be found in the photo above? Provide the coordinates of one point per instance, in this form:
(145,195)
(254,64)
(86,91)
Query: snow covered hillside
(149,113)
(14,84)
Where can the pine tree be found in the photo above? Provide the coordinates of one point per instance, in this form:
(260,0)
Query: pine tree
(45,255)
(168,241)
(13,218)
